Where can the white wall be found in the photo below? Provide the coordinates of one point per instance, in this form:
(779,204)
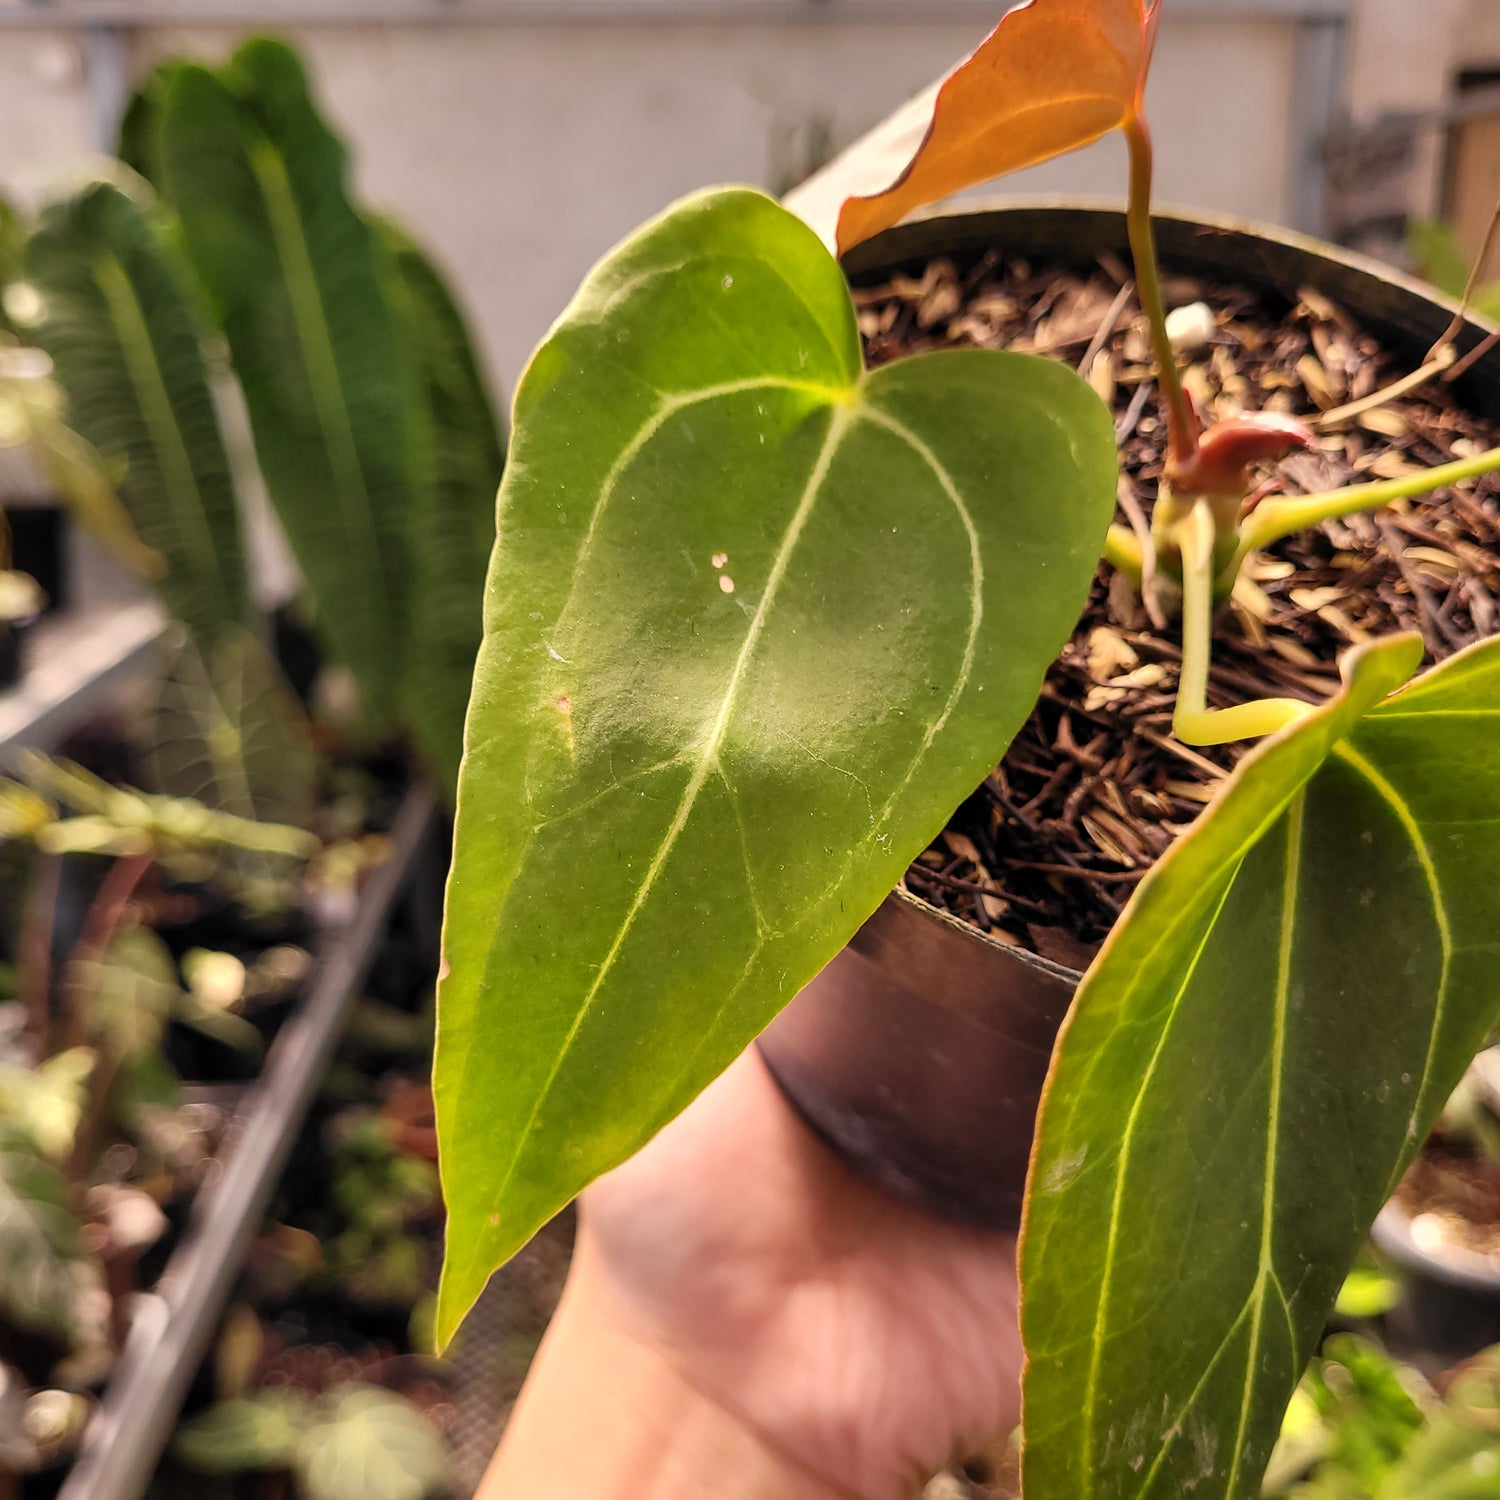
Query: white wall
(521,153)
(46,117)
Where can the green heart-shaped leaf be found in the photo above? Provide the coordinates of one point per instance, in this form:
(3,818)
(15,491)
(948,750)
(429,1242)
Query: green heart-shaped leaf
(1262,1044)
(756,623)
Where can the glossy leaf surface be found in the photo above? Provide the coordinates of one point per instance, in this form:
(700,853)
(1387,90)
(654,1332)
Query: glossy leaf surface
(258,181)
(1054,75)
(1255,1054)
(756,623)
(458,457)
(124,346)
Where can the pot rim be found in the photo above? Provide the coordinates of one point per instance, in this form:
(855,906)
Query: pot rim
(1451,1264)
(978,936)
(910,240)
(874,254)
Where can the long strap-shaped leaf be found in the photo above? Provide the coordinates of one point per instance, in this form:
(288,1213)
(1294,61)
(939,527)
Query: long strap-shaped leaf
(458,457)
(259,182)
(1264,1041)
(124,346)
(756,622)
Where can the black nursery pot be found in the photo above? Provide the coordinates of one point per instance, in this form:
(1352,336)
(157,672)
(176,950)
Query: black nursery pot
(1450,1304)
(920,1053)
(1450,1309)
(12,640)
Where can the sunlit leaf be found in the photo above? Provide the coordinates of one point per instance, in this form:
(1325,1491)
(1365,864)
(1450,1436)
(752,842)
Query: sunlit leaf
(245,1433)
(1260,1047)
(1054,75)
(371,1445)
(756,623)
(46,1102)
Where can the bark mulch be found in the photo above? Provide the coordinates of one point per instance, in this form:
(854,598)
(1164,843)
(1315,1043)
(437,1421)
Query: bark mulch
(1095,789)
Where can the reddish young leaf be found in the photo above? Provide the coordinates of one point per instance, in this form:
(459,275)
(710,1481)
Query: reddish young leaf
(1226,450)
(1054,75)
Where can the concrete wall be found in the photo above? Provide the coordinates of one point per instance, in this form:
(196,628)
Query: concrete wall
(46,112)
(1406,57)
(522,152)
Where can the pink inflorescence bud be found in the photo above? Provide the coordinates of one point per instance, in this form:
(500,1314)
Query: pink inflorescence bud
(1229,447)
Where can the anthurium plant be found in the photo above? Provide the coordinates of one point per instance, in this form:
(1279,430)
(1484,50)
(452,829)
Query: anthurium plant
(758,619)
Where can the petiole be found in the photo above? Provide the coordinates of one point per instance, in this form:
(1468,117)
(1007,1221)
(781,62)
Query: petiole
(1193,721)
(1276,519)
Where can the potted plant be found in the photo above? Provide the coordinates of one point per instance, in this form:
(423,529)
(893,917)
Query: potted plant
(759,620)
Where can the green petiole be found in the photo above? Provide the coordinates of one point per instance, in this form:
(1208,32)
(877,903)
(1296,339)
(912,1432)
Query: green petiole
(1182,423)
(1193,722)
(1280,518)
(1122,551)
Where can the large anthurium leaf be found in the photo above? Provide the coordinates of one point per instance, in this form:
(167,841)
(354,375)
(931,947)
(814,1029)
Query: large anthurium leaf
(258,181)
(458,457)
(1262,1043)
(1054,75)
(756,622)
(124,347)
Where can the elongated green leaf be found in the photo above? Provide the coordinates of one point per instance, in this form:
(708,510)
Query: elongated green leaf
(138,142)
(458,457)
(755,624)
(1261,1045)
(124,346)
(259,183)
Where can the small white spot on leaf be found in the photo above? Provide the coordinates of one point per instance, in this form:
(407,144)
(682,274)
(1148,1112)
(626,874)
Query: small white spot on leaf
(726,583)
(719,559)
(1063,1171)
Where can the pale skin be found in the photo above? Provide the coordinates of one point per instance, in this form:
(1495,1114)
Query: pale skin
(745,1318)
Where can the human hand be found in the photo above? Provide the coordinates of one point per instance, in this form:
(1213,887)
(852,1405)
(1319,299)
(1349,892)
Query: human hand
(852,1335)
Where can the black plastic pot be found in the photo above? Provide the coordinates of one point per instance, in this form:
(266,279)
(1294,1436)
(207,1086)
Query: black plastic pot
(920,1052)
(1451,1306)
(12,644)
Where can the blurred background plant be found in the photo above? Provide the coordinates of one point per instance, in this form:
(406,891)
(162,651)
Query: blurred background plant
(228,256)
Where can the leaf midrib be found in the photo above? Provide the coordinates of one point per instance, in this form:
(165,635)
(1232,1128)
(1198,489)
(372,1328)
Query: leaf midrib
(705,766)
(145,373)
(1266,1272)
(315,339)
